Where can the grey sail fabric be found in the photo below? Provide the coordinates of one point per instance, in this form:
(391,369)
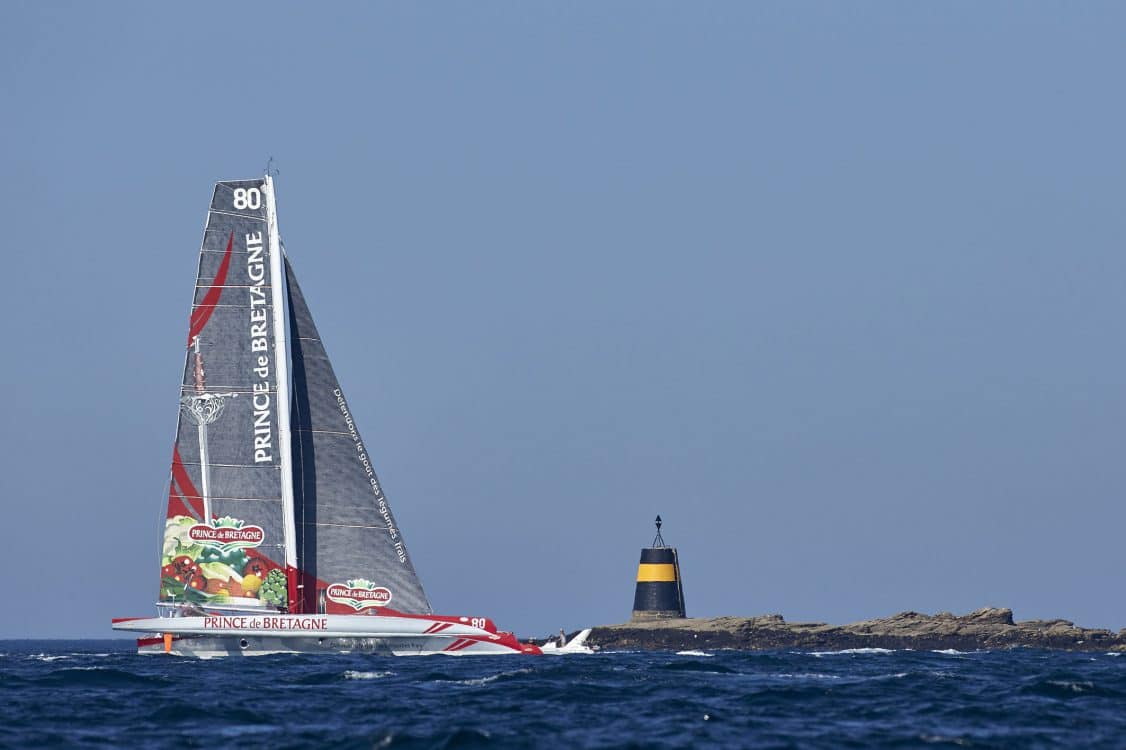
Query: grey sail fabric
(226,460)
(345,528)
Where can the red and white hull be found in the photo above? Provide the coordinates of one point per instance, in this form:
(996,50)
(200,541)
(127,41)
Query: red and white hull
(257,634)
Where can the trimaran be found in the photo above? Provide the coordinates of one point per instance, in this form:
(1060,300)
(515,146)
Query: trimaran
(278,537)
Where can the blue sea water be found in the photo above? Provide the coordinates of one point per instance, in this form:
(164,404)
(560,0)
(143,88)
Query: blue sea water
(101,694)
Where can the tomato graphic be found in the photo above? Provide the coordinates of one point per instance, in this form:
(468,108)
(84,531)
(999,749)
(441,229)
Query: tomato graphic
(256,567)
(182,569)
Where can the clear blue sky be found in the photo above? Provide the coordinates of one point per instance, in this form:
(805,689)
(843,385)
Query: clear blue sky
(838,289)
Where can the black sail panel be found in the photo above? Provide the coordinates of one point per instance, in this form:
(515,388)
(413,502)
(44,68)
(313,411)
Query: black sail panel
(349,548)
(224,529)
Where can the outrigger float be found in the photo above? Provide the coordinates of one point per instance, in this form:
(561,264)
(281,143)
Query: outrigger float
(278,537)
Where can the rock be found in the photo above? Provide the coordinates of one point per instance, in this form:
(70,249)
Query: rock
(986,628)
(999,615)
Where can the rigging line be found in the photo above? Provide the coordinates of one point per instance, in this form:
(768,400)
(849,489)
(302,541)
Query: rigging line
(162,518)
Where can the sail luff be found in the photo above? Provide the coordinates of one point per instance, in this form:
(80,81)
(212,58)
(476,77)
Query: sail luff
(277,281)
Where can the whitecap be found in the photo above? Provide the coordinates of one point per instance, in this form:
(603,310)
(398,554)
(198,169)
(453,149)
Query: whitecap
(930,738)
(48,657)
(853,651)
(693,652)
(949,651)
(352,674)
(240,730)
(1075,687)
(809,676)
(478,681)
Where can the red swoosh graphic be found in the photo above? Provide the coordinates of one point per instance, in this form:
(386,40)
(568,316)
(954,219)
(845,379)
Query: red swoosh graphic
(189,495)
(176,504)
(202,314)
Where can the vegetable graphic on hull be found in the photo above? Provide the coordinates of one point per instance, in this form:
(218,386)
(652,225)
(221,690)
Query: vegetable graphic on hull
(212,563)
(273,590)
(180,578)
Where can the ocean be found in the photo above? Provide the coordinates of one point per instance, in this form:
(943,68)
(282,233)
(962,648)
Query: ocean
(100,694)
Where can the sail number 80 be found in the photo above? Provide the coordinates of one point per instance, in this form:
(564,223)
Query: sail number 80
(248,198)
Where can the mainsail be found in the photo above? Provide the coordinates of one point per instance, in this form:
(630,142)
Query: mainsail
(225,526)
(348,544)
(265,508)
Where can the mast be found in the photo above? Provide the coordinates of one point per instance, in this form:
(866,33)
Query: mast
(281,356)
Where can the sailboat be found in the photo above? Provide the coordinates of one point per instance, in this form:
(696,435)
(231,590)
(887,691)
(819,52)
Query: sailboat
(278,536)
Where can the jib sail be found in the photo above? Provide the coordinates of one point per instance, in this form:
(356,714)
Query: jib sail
(349,548)
(224,539)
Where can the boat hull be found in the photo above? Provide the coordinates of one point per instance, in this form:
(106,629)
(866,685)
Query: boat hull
(258,635)
(210,647)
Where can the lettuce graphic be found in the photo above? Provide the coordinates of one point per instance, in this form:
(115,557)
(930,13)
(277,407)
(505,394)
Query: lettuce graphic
(220,571)
(176,540)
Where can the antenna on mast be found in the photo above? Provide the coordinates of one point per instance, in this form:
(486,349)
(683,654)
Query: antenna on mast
(271,170)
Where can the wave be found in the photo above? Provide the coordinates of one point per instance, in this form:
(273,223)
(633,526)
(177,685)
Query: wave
(98,677)
(698,666)
(64,657)
(853,651)
(49,657)
(1027,698)
(181,711)
(693,652)
(1067,689)
(478,681)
